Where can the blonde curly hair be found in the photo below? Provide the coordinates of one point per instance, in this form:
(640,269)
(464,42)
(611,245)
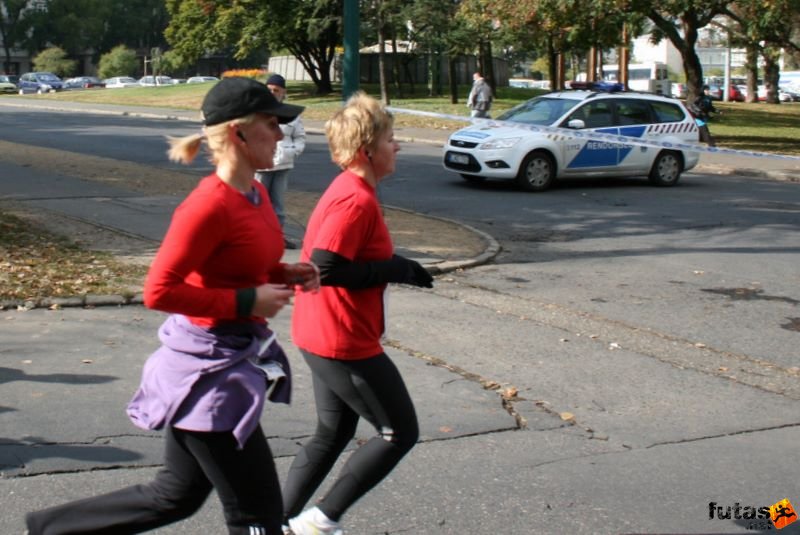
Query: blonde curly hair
(360,123)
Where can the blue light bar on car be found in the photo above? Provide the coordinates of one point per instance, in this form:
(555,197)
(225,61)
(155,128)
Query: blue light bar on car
(606,87)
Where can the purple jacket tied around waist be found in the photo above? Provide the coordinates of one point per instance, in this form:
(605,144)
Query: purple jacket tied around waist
(208,379)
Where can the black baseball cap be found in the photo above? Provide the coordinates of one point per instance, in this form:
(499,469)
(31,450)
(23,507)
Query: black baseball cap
(237,96)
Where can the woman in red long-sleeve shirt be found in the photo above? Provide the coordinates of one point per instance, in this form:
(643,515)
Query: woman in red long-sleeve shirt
(338,329)
(218,273)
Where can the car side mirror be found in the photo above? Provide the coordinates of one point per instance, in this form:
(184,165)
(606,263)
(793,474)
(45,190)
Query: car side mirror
(576,124)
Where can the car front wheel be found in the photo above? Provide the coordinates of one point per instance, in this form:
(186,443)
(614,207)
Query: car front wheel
(39,91)
(666,170)
(537,172)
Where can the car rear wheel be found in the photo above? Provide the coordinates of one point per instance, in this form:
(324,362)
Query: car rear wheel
(667,168)
(21,91)
(473,178)
(537,172)
(39,91)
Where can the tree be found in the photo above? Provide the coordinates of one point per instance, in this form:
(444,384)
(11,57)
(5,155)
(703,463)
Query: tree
(120,61)
(12,26)
(76,26)
(558,28)
(679,21)
(308,29)
(54,60)
(138,24)
(766,27)
(440,28)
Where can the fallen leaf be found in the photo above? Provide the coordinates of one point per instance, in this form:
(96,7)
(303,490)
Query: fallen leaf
(567,417)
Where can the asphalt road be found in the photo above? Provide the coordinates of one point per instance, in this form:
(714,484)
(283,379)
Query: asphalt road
(645,340)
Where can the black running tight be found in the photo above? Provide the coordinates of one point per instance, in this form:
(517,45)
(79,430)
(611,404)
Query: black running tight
(195,462)
(344,390)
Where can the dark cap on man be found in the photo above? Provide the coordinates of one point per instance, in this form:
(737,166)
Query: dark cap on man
(277,79)
(236,97)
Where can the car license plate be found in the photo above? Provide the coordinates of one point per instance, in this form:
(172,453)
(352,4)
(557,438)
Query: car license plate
(458,158)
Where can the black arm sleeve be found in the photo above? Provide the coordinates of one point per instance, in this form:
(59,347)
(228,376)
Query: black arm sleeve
(336,270)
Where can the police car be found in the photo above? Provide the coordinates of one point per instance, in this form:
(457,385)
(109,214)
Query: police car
(536,159)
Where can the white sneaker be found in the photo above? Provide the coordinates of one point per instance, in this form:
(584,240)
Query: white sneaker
(314,522)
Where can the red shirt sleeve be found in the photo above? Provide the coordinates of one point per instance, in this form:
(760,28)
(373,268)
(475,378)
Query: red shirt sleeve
(198,227)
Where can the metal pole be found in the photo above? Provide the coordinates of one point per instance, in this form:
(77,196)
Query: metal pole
(727,95)
(350,62)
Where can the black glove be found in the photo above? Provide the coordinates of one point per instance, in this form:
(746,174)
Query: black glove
(416,274)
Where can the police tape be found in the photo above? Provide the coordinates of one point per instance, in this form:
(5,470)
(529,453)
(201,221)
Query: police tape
(596,136)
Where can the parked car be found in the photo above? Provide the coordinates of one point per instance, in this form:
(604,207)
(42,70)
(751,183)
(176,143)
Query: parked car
(120,81)
(783,95)
(83,82)
(792,92)
(153,81)
(202,79)
(734,93)
(8,83)
(535,160)
(39,82)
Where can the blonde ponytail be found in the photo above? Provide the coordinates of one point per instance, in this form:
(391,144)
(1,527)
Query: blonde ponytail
(185,149)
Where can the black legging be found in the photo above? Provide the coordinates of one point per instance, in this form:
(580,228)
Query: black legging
(194,463)
(344,390)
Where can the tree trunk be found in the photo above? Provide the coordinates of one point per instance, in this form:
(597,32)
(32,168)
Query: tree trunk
(751,65)
(451,74)
(430,73)
(772,72)
(398,86)
(488,65)
(382,62)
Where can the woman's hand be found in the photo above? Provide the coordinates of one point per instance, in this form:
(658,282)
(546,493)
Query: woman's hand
(270,299)
(304,275)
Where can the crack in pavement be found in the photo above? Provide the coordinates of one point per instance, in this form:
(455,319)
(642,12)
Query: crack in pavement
(507,395)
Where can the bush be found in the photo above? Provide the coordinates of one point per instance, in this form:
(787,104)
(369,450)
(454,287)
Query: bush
(54,60)
(256,74)
(120,61)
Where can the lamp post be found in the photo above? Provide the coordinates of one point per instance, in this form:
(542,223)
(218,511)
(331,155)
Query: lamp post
(350,62)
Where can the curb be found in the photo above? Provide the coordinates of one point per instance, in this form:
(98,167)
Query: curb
(491,250)
(780,176)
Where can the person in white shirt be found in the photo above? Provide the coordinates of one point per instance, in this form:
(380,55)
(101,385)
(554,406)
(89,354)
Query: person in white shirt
(276,180)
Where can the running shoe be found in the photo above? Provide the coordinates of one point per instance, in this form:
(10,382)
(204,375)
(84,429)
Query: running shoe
(314,522)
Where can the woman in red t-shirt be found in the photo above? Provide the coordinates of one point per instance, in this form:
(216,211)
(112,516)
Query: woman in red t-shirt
(218,273)
(338,329)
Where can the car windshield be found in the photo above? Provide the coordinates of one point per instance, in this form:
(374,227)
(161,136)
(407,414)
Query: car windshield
(540,110)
